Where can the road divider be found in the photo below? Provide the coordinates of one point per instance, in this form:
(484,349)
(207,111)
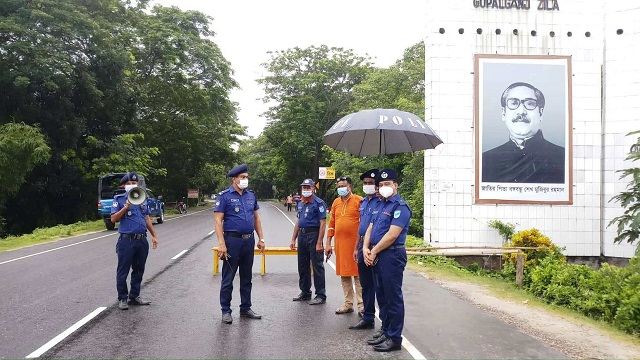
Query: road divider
(179,254)
(53,342)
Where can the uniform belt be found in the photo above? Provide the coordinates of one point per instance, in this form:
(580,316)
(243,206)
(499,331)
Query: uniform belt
(309,229)
(398,246)
(238,235)
(401,246)
(134,236)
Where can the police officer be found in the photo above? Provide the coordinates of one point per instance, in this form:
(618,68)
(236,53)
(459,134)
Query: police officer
(309,230)
(384,250)
(132,247)
(367,206)
(236,219)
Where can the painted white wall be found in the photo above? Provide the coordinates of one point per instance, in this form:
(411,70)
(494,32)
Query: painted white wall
(451,217)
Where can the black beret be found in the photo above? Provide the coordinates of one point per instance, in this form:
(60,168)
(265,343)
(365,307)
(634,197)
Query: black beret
(132,176)
(372,174)
(386,174)
(238,170)
(307,182)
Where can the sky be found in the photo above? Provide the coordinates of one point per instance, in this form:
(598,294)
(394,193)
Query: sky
(247,29)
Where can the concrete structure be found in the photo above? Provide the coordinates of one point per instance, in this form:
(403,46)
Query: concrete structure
(606,93)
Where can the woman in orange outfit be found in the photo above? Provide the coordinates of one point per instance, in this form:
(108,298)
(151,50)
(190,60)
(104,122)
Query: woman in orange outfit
(343,225)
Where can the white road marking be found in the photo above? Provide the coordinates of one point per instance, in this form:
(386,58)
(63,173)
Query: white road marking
(84,241)
(53,342)
(405,342)
(180,254)
(58,248)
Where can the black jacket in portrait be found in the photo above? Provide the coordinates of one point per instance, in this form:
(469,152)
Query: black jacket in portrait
(538,162)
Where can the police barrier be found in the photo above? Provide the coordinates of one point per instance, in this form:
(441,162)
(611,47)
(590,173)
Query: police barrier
(284,250)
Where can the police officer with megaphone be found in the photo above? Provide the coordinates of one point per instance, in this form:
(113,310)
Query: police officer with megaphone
(131,210)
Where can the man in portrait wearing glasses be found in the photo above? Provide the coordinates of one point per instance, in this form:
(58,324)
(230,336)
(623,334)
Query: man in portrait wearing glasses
(527,157)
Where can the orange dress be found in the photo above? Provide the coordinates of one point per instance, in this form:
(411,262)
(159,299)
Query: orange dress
(343,226)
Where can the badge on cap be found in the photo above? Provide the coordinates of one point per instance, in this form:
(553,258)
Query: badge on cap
(373,175)
(134,178)
(384,175)
(396,214)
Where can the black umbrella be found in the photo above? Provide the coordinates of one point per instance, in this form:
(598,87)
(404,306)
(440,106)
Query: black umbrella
(381,132)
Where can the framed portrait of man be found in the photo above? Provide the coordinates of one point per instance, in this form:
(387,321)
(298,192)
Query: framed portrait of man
(523,129)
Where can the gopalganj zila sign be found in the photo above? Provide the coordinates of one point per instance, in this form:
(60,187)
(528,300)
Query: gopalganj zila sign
(548,5)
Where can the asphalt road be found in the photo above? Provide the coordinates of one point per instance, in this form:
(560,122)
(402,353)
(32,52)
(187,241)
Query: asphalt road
(50,287)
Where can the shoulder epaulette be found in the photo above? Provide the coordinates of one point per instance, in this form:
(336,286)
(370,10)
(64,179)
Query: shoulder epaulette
(402,202)
(223,191)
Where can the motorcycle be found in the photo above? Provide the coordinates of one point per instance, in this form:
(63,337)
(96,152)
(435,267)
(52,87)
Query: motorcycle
(181,206)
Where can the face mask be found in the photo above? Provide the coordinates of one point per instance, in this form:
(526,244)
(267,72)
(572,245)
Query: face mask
(343,191)
(307,193)
(369,189)
(386,191)
(129,187)
(243,183)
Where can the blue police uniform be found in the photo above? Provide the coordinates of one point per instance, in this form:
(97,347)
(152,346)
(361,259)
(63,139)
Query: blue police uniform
(365,273)
(309,215)
(238,227)
(390,262)
(132,246)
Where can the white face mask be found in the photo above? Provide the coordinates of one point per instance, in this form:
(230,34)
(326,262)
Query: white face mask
(369,189)
(243,183)
(307,193)
(386,191)
(129,187)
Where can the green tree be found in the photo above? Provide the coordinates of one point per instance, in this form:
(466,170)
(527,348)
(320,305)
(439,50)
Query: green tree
(310,89)
(628,224)
(22,147)
(183,82)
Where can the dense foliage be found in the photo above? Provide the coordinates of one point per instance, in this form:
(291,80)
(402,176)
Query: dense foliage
(628,224)
(108,86)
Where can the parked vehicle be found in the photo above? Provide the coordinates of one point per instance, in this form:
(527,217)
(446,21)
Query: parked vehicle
(109,186)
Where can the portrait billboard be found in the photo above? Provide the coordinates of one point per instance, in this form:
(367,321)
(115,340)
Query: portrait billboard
(523,129)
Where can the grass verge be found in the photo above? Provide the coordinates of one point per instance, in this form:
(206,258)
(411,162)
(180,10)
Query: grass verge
(44,235)
(506,290)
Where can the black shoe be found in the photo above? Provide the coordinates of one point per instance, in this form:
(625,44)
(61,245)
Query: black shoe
(139,301)
(122,304)
(226,318)
(302,297)
(387,345)
(377,334)
(251,315)
(377,341)
(362,325)
(317,301)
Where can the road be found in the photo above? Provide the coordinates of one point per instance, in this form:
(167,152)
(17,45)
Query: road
(50,287)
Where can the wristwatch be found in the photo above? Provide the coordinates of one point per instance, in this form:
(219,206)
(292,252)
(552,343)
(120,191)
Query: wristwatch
(262,240)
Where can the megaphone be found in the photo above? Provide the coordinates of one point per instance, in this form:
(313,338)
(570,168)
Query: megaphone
(137,195)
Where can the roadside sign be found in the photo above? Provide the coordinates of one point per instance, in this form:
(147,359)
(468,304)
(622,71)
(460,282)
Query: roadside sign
(192,194)
(326,173)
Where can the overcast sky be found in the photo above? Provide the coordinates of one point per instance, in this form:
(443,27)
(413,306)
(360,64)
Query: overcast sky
(247,29)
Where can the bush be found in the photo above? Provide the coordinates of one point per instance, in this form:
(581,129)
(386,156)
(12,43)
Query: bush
(533,238)
(506,230)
